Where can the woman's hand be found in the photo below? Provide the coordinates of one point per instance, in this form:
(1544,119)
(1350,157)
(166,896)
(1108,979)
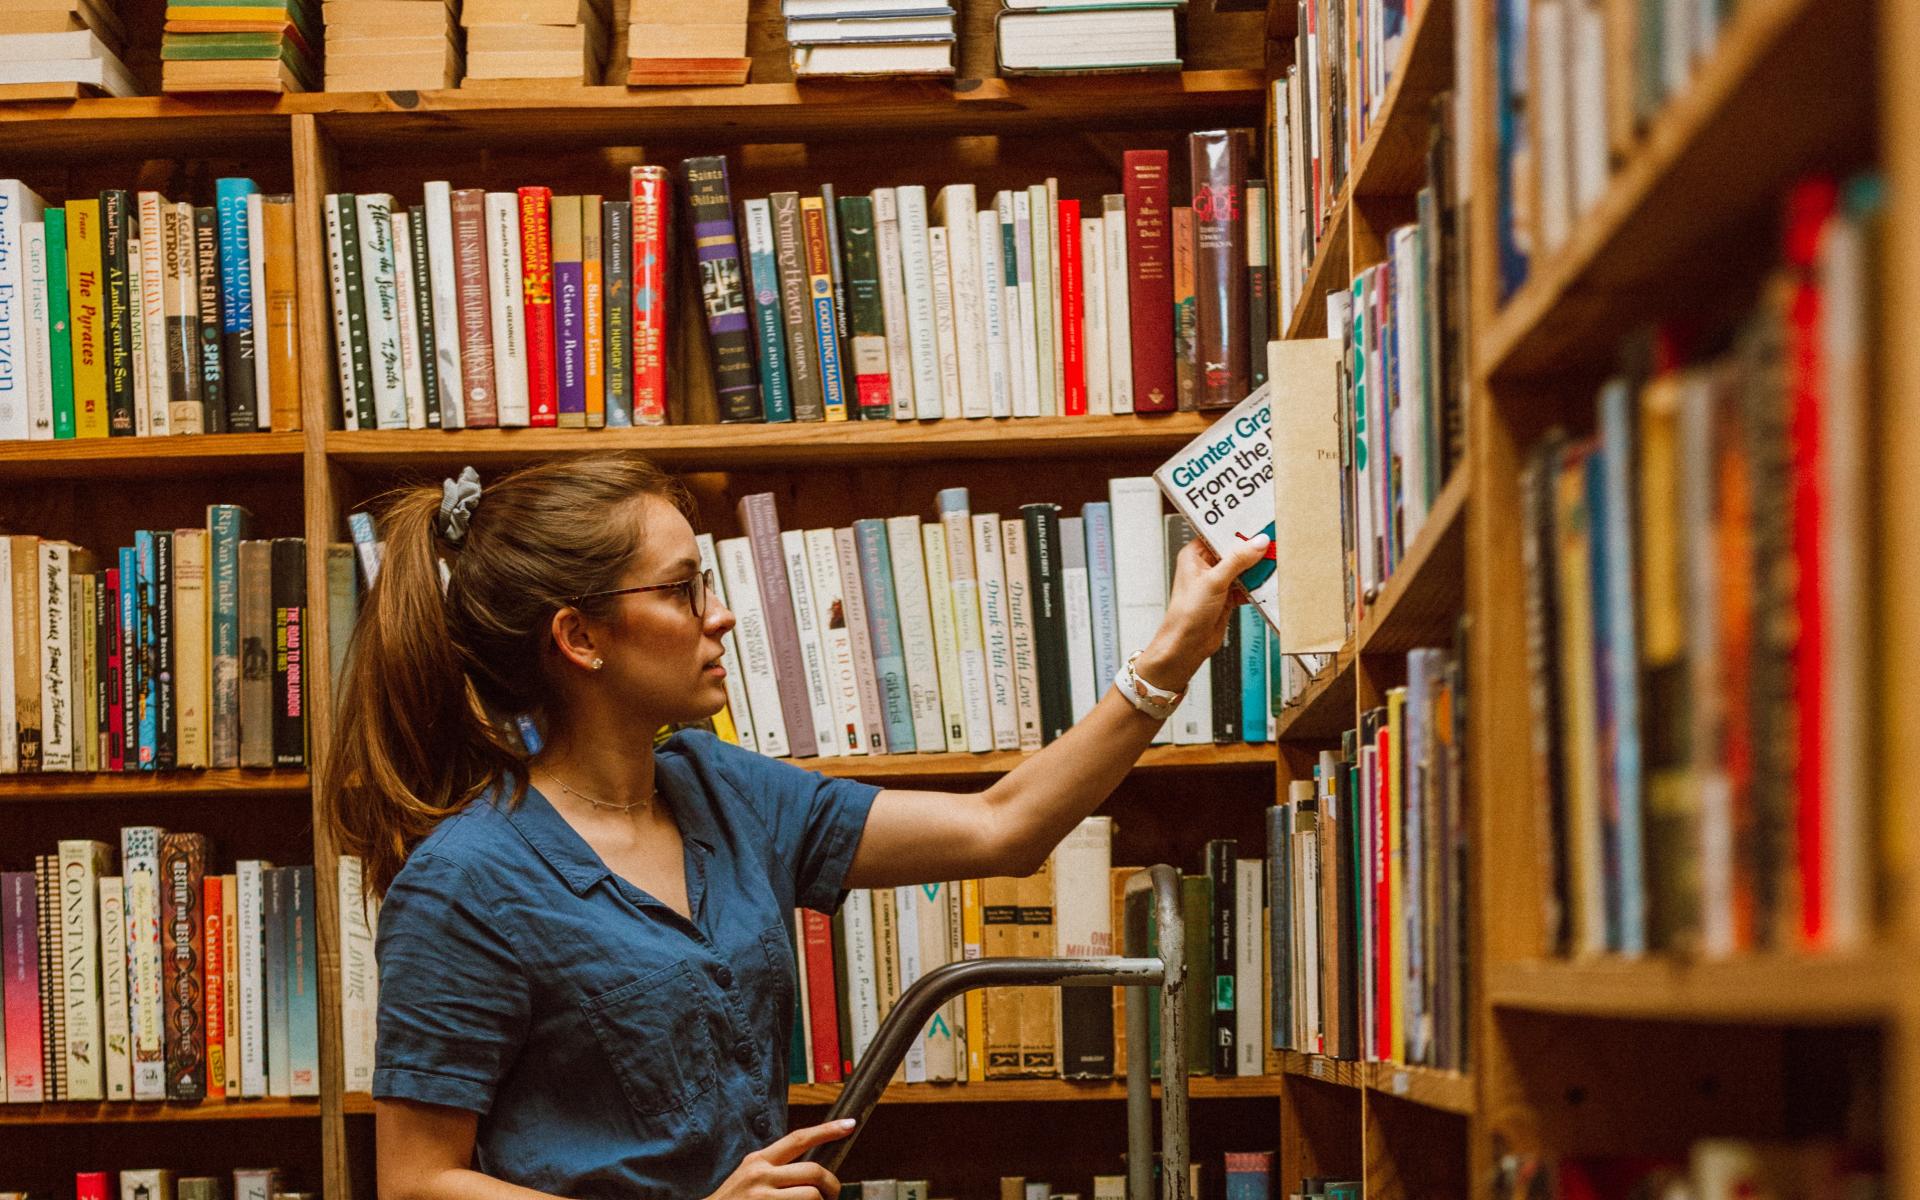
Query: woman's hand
(772,1173)
(1199,605)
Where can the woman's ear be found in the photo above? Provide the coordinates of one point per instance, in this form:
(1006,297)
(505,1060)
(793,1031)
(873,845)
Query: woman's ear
(573,638)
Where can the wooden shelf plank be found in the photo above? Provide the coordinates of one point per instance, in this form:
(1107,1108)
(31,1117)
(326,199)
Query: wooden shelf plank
(1326,272)
(1337,1072)
(1423,597)
(145,784)
(1392,159)
(123,1112)
(1448,1091)
(1786,989)
(224,454)
(1699,183)
(811,443)
(1326,710)
(1003,1091)
(876,768)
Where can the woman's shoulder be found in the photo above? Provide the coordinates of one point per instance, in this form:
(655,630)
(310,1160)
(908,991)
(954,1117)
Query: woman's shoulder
(466,845)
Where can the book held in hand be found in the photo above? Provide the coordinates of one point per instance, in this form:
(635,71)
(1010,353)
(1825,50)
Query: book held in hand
(1222,483)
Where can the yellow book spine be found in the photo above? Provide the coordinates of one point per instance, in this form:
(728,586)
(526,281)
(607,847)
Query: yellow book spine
(1396,907)
(723,727)
(87,320)
(593,287)
(977,998)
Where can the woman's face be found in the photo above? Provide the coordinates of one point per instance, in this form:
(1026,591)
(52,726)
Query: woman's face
(662,659)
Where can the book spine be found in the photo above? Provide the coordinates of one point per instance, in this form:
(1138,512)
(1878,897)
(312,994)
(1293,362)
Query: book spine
(996,631)
(183,860)
(651,197)
(200,335)
(256,629)
(161,691)
(508,324)
(81,864)
(473,302)
(1260,297)
(1073,364)
(1020,624)
(616,244)
(186,379)
(112,655)
(946,341)
(1186,340)
(796,308)
(1224,668)
(916,272)
(289,584)
(593,311)
(946,635)
(1040,1007)
(1046,588)
(1077,605)
(116,309)
(1093,315)
(380,292)
(132,688)
(722,293)
(569,313)
(346,212)
(1150,280)
(20,987)
(860,636)
(916,632)
(230,974)
(356,977)
(756,660)
(837,270)
(1102,590)
(861,995)
(151,300)
(416,310)
(1253,676)
(53,1038)
(830,608)
(1218,163)
(994,311)
(190,647)
(143,412)
(959,207)
(257,294)
(893,301)
(762,523)
(739,709)
(768,321)
(59,325)
(236,303)
(956,518)
(32,400)
(19,207)
(866,310)
(883,624)
(1116,230)
(55,600)
(24,569)
(93,408)
(822,997)
(813,654)
(1223,1006)
(250,901)
(1021,266)
(276,886)
(1046,299)
(442,278)
(536,293)
(813,234)
(1083,914)
(226,525)
(213,970)
(303,992)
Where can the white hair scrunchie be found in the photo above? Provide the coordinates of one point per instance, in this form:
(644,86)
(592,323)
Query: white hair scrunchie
(458,498)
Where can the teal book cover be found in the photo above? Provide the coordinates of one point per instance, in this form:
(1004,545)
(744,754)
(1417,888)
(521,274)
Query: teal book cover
(883,625)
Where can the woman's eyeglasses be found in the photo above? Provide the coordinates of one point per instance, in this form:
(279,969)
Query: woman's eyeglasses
(696,588)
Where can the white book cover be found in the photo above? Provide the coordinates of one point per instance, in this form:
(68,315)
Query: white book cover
(1139,541)
(993,310)
(940,271)
(964,586)
(143,415)
(153,310)
(1588,50)
(18,206)
(507,294)
(81,865)
(444,293)
(756,650)
(250,895)
(1019,388)
(140,867)
(863,995)
(39,363)
(1193,721)
(1113,261)
(1551,86)
(9,702)
(800,990)
(1039,244)
(893,302)
(1077,600)
(1410,358)
(830,618)
(813,653)
(1093,286)
(380,289)
(1249,950)
(959,212)
(738,705)
(916,630)
(56,620)
(257,271)
(183,285)
(930,908)
(946,635)
(1026,662)
(906,926)
(413,379)
(1309,909)
(1222,483)
(357,976)
(342,336)
(1083,891)
(116,1048)
(996,631)
(916,272)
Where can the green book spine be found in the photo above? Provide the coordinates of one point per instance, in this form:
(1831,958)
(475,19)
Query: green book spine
(58,316)
(349,214)
(1196,904)
(114,232)
(866,317)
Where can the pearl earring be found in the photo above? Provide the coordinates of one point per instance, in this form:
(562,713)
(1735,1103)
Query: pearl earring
(598,663)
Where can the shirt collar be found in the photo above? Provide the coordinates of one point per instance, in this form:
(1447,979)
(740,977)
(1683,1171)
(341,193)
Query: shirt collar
(568,853)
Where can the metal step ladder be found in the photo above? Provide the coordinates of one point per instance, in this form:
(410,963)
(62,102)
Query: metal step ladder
(1168,972)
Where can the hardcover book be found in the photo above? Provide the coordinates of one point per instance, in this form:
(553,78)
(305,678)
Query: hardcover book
(1222,483)
(722,289)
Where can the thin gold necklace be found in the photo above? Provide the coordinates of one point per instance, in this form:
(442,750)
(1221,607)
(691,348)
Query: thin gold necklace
(608,805)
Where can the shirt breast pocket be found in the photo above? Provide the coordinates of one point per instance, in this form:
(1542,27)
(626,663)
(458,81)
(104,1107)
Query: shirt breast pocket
(654,1033)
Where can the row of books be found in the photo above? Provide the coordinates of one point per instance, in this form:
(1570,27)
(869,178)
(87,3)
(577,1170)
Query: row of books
(1578,83)
(1315,1187)
(1380,29)
(1718,1168)
(1699,606)
(966,633)
(1246,1175)
(159,1183)
(76,43)
(184,650)
(478,308)
(130,314)
(1367,883)
(167,981)
(240,46)
(852,968)
(1309,141)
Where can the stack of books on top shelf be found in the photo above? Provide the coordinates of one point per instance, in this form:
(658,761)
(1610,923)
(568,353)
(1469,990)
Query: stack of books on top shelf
(673,43)
(1699,620)
(165,981)
(536,39)
(484,308)
(1047,37)
(240,46)
(129,314)
(183,650)
(388,45)
(63,48)
(847,37)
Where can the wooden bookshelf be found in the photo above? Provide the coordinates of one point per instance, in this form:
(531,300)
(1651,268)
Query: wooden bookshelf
(1422,598)
(130,1113)
(1326,272)
(156,785)
(1392,159)
(1325,709)
(1157,760)
(206,456)
(1042,1091)
(1795,989)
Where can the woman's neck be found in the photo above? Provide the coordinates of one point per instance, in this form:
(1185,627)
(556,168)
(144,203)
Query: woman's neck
(613,770)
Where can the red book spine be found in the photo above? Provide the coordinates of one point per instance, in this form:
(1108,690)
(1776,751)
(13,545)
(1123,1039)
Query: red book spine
(1073,312)
(90,1185)
(213,955)
(1150,279)
(1218,162)
(1382,897)
(536,275)
(651,189)
(822,996)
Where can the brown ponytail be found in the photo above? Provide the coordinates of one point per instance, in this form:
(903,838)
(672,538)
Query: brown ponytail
(433,679)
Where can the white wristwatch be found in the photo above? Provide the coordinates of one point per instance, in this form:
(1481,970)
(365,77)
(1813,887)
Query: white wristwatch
(1156,702)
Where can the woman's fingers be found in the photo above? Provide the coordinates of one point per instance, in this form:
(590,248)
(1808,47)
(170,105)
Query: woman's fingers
(803,1176)
(804,1139)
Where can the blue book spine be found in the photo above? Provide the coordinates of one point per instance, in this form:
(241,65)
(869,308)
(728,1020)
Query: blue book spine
(1103,591)
(1599,554)
(146,644)
(770,333)
(616,252)
(828,340)
(1616,425)
(1253,674)
(236,280)
(129,658)
(273,924)
(303,984)
(1249,1176)
(883,623)
(226,525)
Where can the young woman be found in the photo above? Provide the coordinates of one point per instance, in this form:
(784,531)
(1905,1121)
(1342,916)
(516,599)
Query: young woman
(586,985)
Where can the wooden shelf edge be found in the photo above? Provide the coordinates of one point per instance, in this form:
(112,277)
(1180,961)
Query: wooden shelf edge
(84,458)
(118,1112)
(1424,70)
(145,784)
(1325,709)
(1763,989)
(1020,1091)
(1431,578)
(1218,756)
(1311,312)
(1446,1091)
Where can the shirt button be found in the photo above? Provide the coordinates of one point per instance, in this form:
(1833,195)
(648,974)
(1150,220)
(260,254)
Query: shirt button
(743,1051)
(725,977)
(761,1125)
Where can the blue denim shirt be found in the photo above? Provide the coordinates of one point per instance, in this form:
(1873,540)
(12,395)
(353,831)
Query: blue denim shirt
(611,1046)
